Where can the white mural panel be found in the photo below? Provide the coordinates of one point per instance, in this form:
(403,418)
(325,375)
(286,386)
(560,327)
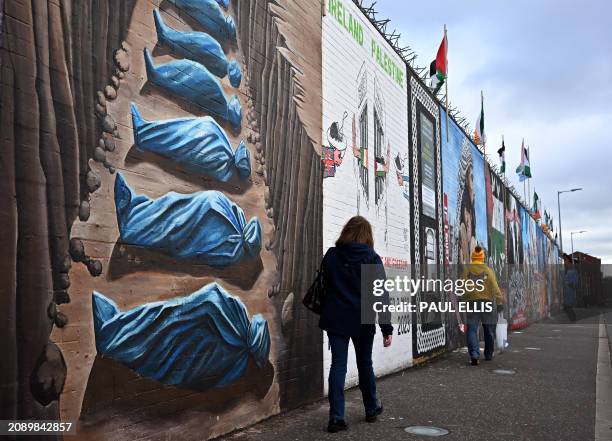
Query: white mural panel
(366,152)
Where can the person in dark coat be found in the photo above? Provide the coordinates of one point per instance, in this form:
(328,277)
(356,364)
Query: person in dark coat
(341,317)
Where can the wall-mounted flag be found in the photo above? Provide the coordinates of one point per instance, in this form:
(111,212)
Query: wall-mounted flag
(524,170)
(438,67)
(502,157)
(480,137)
(536,206)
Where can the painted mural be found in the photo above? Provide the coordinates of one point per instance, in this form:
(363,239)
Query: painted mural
(199,144)
(496,223)
(533,267)
(213,230)
(172,173)
(211,347)
(464,184)
(365,150)
(431,329)
(466,212)
(517,299)
(163,282)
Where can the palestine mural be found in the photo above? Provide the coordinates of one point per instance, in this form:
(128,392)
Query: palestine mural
(496,224)
(430,328)
(161,290)
(517,300)
(464,186)
(466,220)
(365,149)
(171,174)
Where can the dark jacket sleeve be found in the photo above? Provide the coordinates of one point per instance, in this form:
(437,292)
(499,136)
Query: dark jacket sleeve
(384,318)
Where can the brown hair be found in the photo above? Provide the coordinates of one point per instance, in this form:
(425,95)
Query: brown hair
(357,229)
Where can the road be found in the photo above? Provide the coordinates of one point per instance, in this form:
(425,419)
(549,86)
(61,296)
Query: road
(550,396)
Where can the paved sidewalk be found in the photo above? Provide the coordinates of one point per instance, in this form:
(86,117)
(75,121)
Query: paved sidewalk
(550,397)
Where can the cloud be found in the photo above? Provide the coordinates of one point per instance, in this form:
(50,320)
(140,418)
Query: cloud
(545,69)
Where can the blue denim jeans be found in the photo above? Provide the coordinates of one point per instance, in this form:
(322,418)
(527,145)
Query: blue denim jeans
(472,337)
(337,373)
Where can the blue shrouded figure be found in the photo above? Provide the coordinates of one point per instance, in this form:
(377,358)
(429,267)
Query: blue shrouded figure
(198,144)
(200,47)
(209,15)
(205,227)
(200,341)
(193,82)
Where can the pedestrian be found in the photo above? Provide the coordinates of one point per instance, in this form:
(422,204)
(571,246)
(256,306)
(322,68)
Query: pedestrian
(341,318)
(484,301)
(569,291)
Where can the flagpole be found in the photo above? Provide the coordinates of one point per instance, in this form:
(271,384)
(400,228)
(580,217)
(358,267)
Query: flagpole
(446,82)
(505,190)
(484,144)
(528,179)
(523,171)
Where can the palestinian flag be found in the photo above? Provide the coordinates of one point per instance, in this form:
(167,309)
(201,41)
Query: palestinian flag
(363,157)
(379,168)
(438,67)
(502,157)
(480,136)
(523,170)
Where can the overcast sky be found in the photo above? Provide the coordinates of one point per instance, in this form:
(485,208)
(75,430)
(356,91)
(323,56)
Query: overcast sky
(546,71)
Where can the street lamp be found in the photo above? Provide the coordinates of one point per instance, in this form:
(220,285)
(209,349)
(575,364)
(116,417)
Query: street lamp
(572,240)
(559,208)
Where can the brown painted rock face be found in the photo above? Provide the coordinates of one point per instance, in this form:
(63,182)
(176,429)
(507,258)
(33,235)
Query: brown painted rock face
(132,276)
(49,375)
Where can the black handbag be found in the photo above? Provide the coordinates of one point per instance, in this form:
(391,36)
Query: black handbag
(315,296)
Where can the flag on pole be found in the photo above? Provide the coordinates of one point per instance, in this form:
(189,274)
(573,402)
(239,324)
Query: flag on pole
(523,170)
(502,157)
(480,137)
(536,206)
(379,168)
(438,67)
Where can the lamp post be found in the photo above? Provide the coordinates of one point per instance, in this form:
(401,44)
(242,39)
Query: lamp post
(559,209)
(572,240)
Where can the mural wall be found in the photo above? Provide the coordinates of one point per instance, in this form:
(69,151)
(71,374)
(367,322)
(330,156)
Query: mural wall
(171,173)
(466,214)
(431,329)
(366,162)
(155,262)
(479,209)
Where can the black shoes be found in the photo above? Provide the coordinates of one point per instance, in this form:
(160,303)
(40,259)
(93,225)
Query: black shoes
(336,426)
(371,417)
(475,362)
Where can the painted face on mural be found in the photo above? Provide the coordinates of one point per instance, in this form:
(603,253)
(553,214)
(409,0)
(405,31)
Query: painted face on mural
(469,184)
(467,226)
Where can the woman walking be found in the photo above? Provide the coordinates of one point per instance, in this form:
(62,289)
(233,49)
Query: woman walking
(341,318)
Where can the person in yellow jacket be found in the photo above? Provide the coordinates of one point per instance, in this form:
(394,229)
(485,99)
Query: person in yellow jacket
(485,301)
